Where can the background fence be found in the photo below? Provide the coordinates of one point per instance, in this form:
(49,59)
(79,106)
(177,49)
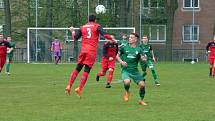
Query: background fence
(181,55)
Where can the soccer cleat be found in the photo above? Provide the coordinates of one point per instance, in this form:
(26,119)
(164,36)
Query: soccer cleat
(157,83)
(141,102)
(97,78)
(126,96)
(68,89)
(108,85)
(8,73)
(78,92)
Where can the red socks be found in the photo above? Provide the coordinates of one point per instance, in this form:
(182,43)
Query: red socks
(73,77)
(83,80)
(110,76)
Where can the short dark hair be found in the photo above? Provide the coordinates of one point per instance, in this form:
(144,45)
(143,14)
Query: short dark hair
(135,34)
(92,18)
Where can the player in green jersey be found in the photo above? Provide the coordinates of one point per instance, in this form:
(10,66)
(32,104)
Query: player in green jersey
(147,49)
(124,41)
(9,54)
(129,57)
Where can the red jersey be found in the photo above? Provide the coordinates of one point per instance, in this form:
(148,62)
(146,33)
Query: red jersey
(211,47)
(110,49)
(90,36)
(3,47)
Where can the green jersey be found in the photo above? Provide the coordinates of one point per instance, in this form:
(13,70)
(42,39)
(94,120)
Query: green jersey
(13,44)
(123,43)
(131,55)
(146,48)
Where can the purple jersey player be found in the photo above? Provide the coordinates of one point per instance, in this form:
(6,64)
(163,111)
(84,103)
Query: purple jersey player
(56,49)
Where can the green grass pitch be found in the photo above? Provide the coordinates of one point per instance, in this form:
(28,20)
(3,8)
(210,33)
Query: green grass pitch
(36,92)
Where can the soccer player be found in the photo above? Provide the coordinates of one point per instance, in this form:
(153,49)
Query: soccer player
(9,54)
(56,49)
(147,49)
(129,57)
(124,41)
(3,51)
(110,50)
(90,38)
(211,56)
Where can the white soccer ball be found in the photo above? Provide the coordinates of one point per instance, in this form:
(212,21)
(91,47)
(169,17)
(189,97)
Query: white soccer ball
(100,9)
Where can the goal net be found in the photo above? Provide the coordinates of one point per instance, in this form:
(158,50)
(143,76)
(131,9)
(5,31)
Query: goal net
(39,43)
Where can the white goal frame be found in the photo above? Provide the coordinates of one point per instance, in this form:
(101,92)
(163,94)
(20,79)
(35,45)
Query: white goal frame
(43,28)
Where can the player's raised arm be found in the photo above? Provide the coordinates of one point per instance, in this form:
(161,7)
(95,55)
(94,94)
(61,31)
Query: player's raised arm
(104,34)
(75,35)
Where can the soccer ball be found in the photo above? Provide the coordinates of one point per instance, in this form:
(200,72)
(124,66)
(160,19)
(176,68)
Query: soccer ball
(100,9)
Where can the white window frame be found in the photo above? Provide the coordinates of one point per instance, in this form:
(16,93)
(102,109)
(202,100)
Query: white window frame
(158,39)
(149,8)
(33,4)
(191,5)
(1,4)
(190,41)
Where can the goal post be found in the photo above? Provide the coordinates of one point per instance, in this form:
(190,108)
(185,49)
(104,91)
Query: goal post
(39,43)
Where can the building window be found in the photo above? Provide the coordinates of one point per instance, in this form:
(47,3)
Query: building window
(1,4)
(153,8)
(156,33)
(33,3)
(189,4)
(153,3)
(191,33)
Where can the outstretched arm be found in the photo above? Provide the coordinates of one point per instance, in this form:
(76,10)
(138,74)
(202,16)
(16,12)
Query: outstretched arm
(75,35)
(104,34)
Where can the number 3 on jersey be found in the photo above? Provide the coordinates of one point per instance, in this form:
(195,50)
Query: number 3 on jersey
(89,32)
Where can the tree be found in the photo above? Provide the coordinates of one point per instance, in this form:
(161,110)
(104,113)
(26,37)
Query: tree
(7,17)
(171,6)
(123,12)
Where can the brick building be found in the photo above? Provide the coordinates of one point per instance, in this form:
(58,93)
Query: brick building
(204,20)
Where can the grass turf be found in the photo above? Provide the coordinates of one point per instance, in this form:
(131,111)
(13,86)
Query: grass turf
(36,92)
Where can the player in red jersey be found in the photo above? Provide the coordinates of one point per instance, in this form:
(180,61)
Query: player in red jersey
(90,38)
(211,56)
(110,50)
(3,51)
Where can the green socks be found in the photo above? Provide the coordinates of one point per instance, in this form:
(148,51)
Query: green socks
(7,67)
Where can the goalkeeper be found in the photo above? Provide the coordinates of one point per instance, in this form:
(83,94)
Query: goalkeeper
(147,49)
